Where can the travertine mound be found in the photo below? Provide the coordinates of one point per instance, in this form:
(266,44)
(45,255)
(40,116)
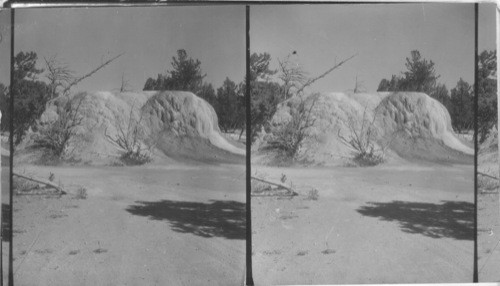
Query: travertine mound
(184,115)
(419,116)
(488,161)
(408,125)
(177,124)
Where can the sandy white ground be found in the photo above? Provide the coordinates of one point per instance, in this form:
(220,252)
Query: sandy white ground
(489,237)
(155,225)
(388,224)
(489,210)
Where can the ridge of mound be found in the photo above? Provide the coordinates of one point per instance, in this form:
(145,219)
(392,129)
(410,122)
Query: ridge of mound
(420,129)
(420,116)
(411,125)
(488,161)
(183,114)
(488,154)
(172,123)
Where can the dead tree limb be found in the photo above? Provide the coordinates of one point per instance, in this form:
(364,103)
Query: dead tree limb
(124,87)
(41,181)
(273,183)
(78,80)
(486,175)
(311,81)
(59,74)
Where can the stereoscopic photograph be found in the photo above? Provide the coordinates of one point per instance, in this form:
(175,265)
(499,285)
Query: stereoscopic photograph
(129,134)
(127,169)
(362,143)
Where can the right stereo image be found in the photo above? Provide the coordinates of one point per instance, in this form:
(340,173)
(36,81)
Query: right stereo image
(363,149)
(488,200)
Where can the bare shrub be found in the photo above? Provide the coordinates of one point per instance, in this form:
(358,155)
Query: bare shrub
(57,136)
(74,252)
(59,75)
(313,195)
(125,85)
(100,250)
(328,251)
(283,178)
(292,75)
(302,252)
(288,137)
(361,140)
(358,86)
(129,138)
(81,193)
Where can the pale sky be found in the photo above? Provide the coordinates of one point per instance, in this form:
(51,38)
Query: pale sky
(148,36)
(381,34)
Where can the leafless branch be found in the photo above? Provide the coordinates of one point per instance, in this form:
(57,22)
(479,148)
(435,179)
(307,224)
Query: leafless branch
(292,75)
(59,74)
(290,136)
(124,87)
(78,80)
(129,139)
(336,66)
(361,140)
(358,86)
(58,134)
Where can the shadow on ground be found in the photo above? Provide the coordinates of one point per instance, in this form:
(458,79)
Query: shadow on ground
(213,219)
(5,222)
(449,219)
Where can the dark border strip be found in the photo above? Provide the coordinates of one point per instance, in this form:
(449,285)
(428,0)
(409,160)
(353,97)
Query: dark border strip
(248,143)
(2,219)
(1,224)
(475,278)
(152,3)
(11,142)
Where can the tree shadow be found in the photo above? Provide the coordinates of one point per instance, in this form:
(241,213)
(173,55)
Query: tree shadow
(213,219)
(449,219)
(6,222)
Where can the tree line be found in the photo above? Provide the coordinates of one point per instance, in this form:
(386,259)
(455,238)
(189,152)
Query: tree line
(186,75)
(421,76)
(35,86)
(267,91)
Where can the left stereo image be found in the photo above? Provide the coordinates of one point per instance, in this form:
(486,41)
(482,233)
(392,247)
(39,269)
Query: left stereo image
(129,145)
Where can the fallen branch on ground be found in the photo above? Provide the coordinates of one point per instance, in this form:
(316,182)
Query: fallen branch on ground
(272,183)
(41,181)
(290,191)
(486,175)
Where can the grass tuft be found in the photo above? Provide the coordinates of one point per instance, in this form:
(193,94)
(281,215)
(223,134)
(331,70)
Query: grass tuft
(81,193)
(313,194)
